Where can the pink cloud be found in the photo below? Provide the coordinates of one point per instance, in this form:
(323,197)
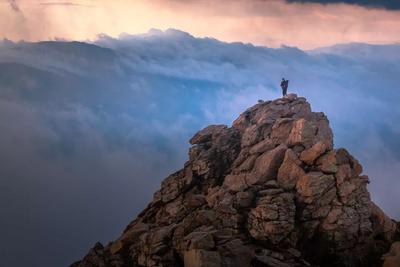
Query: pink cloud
(270,23)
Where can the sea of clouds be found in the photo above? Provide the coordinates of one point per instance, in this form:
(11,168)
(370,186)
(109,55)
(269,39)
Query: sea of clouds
(88,130)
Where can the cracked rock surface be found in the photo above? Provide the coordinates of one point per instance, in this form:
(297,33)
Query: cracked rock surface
(270,190)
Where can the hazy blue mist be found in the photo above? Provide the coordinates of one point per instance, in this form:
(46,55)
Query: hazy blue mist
(88,131)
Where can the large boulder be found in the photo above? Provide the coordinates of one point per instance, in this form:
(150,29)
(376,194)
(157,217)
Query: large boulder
(273,217)
(290,170)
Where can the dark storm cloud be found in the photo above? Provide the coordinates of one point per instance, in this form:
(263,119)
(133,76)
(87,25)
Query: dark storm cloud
(89,130)
(386,4)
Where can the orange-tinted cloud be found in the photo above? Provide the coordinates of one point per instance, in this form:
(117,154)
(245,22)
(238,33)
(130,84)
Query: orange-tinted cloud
(262,22)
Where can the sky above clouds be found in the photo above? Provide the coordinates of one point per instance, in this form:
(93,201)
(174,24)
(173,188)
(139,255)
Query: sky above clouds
(303,23)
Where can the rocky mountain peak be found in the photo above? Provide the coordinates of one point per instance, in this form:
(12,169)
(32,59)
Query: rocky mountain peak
(270,190)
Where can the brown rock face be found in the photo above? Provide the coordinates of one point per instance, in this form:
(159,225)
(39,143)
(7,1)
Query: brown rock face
(268,191)
(392,259)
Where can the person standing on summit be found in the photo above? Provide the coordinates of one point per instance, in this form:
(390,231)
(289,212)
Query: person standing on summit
(284,86)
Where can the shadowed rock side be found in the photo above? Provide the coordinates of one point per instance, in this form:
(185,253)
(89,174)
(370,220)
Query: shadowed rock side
(268,191)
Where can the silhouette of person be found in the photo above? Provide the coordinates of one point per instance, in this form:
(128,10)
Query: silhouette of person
(284,86)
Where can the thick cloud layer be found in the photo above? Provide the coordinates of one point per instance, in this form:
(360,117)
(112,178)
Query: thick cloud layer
(89,130)
(388,4)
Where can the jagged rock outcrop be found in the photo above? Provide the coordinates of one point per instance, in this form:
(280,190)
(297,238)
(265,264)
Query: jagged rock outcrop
(269,191)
